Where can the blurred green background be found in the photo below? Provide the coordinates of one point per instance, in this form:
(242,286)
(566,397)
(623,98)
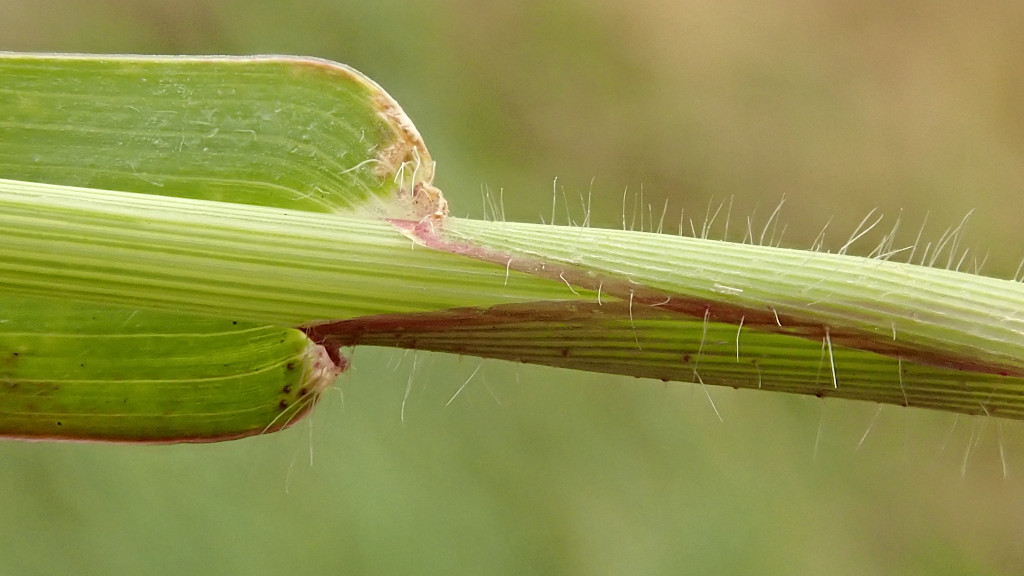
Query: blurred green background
(841,107)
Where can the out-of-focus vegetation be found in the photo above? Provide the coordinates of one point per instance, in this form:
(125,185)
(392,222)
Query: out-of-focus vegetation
(842,107)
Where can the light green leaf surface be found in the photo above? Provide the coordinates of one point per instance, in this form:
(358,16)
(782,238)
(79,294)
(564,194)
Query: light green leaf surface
(111,373)
(289,132)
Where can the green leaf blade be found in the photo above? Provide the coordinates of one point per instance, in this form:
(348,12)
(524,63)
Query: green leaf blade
(290,132)
(109,373)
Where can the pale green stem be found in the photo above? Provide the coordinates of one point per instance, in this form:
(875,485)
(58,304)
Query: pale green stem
(934,315)
(624,302)
(235,261)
